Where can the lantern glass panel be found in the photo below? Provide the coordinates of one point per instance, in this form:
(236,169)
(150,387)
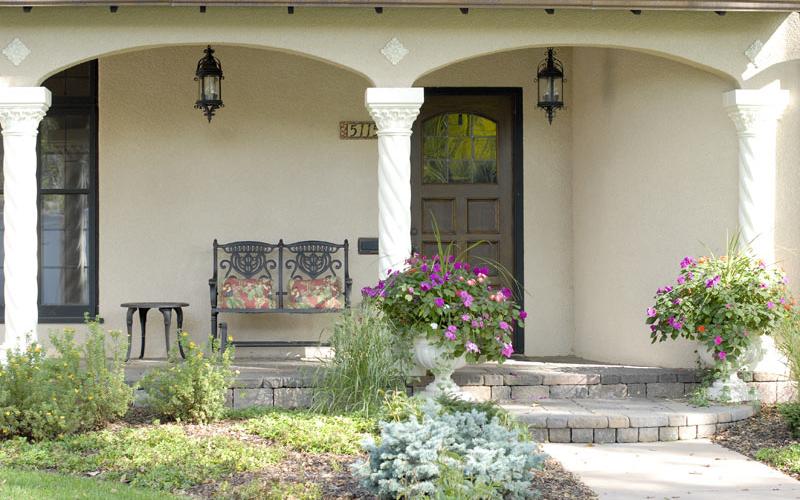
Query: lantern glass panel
(211,88)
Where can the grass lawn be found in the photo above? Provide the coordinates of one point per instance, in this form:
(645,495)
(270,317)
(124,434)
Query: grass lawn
(30,485)
(786,458)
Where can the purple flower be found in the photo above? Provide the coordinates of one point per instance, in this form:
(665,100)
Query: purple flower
(475,324)
(465,317)
(677,301)
(471,346)
(651,312)
(713,281)
(722,355)
(424,286)
(507,350)
(507,293)
(451,259)
(674,323)
(664,290)
(523,315)
(770,305)
(439,302)
(436,278)
(687,262)
(653,328)
(728,305)
(690,276)
(457,265)
(504,326)
(681,279)
(717,340)
(424,268)
(762,285)
(451,332)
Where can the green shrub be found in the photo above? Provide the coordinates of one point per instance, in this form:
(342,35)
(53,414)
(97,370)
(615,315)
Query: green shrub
(369,359)
(313,433)
(453,483)
(786,458)
(408,461)
(162,457)
(791,413)
(80,388)
(194,389)
(787,338)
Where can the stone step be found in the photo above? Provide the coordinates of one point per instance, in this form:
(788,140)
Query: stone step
(629,420)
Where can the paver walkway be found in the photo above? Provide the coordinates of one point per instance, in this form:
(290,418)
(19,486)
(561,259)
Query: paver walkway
(693,470)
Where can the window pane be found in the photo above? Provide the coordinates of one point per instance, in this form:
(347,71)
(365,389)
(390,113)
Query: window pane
(64,151)
(64,221)
(73,82)
(459,148)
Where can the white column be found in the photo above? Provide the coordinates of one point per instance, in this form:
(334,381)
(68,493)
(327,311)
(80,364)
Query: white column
(394,111)
(21,110)
(755,114)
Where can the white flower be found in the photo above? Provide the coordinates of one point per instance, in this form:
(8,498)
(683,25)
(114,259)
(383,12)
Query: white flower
(434,326)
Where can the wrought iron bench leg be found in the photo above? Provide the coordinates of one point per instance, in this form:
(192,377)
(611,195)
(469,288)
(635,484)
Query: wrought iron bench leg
(129,324)
(179,318)
(142,323)
(223,327)
(167,313)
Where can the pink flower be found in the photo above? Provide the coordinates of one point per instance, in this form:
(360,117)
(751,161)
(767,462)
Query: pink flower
(465,317)
(651,312)
(722,355)
(523,315)
(504,326)
(770,305)
(451,332)
(471,346)
(471,282)
(717,340)
(507,350)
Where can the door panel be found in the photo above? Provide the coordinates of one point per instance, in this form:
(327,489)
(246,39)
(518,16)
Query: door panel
(462,175)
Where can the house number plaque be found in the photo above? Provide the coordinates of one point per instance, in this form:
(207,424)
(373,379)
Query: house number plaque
(358,130)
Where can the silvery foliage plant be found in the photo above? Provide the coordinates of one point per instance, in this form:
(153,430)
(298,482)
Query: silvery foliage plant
(406,462)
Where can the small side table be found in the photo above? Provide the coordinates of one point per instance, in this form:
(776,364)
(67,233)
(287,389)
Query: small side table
(166,309)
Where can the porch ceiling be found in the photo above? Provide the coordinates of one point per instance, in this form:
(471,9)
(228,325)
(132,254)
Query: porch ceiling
(699,5)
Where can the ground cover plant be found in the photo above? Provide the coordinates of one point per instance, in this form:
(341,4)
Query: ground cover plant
(78,388)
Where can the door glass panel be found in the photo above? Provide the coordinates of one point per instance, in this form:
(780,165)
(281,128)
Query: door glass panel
(459,148)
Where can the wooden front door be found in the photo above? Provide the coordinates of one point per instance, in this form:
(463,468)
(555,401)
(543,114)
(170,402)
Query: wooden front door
(462,163)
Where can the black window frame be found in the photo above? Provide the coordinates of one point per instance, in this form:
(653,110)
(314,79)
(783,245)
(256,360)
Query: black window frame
(65,105)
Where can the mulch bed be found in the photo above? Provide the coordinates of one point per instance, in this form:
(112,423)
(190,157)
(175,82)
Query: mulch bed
(765,430)
(332,472)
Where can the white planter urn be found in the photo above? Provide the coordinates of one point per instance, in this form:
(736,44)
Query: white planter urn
(761,356)
(436,359)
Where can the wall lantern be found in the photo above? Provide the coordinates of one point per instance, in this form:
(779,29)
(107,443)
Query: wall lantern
(209,84)
(550,80)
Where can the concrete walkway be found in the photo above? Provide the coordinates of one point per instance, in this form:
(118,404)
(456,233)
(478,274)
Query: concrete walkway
(694,470)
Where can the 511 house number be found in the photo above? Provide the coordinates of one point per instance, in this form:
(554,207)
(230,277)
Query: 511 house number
(358,130)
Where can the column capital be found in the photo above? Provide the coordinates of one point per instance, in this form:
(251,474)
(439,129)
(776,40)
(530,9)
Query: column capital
(394,109)
(754,111)
(22,108)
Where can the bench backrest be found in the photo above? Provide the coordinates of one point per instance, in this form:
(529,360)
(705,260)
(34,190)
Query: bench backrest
(305,276)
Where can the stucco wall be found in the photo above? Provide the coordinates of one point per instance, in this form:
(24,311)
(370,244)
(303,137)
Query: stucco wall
(269,166)
(548,202)
(654,179)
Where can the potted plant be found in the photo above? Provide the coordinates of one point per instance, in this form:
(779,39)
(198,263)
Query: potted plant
(450,313)
(727,304)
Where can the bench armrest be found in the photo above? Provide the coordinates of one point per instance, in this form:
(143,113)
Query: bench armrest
(212,285)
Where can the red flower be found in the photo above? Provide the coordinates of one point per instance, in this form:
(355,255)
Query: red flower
(701,329)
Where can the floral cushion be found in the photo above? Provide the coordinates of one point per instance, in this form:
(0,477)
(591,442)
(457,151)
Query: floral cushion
(252,293)
(320,293)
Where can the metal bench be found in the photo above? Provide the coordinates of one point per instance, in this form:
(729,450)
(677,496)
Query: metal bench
(253,277)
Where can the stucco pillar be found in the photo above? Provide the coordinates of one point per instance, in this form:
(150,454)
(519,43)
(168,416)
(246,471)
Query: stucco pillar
(394,111)
(21,110)
(755,114)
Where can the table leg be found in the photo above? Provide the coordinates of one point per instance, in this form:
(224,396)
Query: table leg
(142,323)
(129,323)
(167,313)
(179,318)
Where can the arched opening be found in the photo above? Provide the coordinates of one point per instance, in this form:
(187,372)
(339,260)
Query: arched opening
(640,167)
